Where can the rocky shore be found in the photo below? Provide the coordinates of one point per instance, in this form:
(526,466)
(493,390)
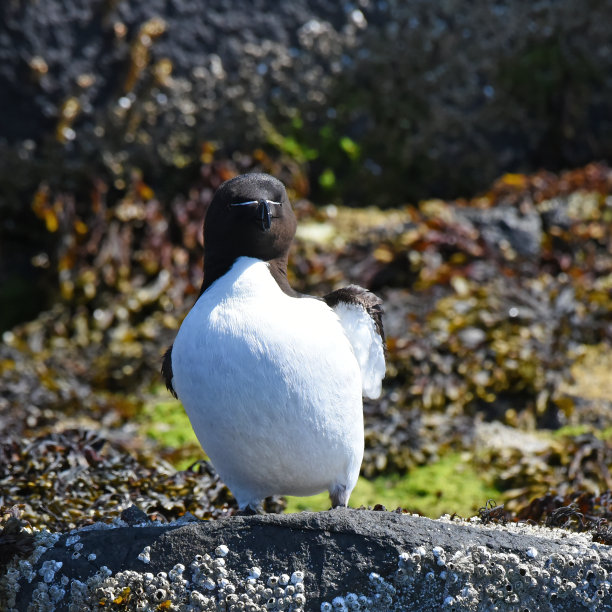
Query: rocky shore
(337,560)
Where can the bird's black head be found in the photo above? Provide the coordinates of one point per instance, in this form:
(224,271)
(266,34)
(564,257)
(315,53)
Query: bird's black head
(250,215)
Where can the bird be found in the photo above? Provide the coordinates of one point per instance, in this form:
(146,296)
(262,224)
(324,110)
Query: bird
(273,380)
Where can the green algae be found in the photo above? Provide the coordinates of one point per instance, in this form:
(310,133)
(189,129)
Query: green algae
(572,431)
(167,425)
(451,485)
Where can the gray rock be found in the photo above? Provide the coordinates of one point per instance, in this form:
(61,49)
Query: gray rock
(505,226)
(382,560)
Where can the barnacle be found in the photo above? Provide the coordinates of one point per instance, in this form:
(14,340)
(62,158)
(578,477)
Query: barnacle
(145,555)
(49,569)
(532,552)
(255,572)
(221,550)
(272,581)
(283,580)
(296,577)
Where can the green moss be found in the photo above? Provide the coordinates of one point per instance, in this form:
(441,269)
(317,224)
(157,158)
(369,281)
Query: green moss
(167,423)
(572,431)
(447,486)
(350,147)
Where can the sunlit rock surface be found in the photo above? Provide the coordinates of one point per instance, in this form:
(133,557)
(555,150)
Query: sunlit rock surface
(336,560)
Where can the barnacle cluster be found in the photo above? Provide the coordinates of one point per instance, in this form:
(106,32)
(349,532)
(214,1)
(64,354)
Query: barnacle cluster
(479,578)
(209,583)
(459,577)
(45,595)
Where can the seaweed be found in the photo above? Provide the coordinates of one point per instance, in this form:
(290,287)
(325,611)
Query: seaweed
(492,513)
(490,306)
(77,477)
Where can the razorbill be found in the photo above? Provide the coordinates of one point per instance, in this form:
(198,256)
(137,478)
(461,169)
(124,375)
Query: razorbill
(272,380)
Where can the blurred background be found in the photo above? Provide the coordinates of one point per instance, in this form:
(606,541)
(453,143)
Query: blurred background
(452,158)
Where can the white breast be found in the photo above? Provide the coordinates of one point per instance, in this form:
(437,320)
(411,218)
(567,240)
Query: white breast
(271,386)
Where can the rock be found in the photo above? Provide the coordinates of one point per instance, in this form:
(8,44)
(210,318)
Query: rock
(311,561)
(133,516)
(108,87)
(506,227)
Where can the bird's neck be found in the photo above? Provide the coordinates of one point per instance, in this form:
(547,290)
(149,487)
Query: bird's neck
(216,267)
(278,269)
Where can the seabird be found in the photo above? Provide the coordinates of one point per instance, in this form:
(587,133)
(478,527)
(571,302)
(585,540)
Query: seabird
(271,379)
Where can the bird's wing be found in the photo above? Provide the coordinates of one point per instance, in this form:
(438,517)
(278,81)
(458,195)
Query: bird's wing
(166,371)
(360,313)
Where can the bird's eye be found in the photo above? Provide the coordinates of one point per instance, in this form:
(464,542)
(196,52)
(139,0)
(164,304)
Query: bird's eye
(249,203)
(259,202)
(263,211)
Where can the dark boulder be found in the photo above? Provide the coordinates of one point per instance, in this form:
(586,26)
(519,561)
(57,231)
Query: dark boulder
(351,559)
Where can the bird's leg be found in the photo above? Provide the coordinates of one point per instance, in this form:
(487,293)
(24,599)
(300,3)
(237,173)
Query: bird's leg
(339,496)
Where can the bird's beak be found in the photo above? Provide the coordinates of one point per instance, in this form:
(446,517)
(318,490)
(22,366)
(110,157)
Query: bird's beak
(263,212)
